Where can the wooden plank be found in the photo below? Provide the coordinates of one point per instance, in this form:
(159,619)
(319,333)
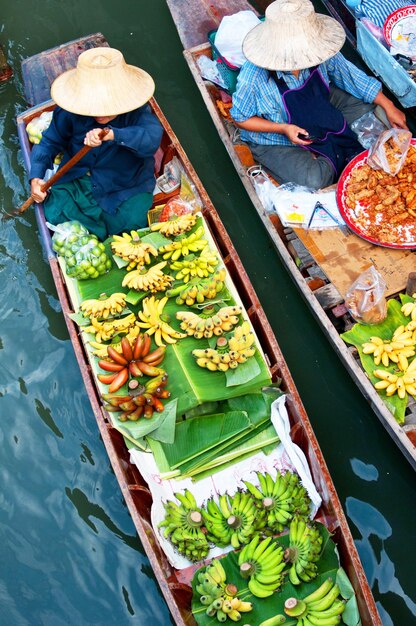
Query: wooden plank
(6,71)
(194,20)
(40,70)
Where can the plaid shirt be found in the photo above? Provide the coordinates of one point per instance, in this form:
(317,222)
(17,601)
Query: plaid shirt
(257,94)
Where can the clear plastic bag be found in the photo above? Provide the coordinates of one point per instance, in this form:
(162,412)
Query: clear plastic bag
(368,128)
(366,300)
(66,235)
(390,150)
(173,208)
(38,125)
(263,186)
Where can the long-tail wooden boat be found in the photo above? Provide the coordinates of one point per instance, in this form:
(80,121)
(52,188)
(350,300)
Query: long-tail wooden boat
(174,585)
(322,264)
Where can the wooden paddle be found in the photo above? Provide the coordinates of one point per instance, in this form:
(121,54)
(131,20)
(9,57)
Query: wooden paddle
(62,170)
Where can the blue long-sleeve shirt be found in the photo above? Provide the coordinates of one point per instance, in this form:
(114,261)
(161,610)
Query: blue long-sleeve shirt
(257,93)
(119,169)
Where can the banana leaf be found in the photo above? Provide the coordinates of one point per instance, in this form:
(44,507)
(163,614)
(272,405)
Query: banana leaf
(246,447)
(229,434)
(361,333)
(215,428)
(265,608)
(161,425)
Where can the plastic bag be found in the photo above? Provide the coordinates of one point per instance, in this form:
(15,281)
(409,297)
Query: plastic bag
(365,298)
(231,33)
(173,208)
(263,186)
(38,125)
(85,256)
(171,177)
(209,70)
(390,150)
(368,128)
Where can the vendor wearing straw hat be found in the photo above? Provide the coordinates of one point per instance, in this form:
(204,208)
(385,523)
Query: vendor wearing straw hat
(296,84)
(110,189)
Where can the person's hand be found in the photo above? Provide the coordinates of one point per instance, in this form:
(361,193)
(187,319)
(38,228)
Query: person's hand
(92,138)
(292,132)
(36,189)
(396,117)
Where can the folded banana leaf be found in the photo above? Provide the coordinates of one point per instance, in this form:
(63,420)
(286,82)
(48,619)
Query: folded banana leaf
(266,608)
(265,437)
(361,333)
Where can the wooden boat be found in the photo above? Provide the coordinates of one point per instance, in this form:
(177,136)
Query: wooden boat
(321,263)
(175,585)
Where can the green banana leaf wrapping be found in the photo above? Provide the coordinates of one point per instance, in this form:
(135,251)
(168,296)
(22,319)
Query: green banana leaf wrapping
(361,333)
(265,608)
(240,427)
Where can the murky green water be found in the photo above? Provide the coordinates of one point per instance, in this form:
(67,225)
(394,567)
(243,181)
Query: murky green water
(68,549)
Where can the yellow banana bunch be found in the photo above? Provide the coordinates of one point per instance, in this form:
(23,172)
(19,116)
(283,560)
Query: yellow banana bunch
(104,307)
(104,331)
(185,245)
(198,290)
(238,349)
(201,266)
(131,248)
(153,280)
(392,383)
(398,350)
(176,226)
(409,309)
(152,321)
(218,323)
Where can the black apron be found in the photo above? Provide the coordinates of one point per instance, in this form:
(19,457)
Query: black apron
(309,107)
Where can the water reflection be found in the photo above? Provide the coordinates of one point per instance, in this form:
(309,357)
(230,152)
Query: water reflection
(378,566)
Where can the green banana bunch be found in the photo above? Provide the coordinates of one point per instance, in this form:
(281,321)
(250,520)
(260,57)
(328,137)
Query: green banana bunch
(220,598)
(262,562)
(231,521)
(322,607)
(182,526)
(275,497)
(305,546)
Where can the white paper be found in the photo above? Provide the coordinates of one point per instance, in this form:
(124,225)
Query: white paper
(295,208)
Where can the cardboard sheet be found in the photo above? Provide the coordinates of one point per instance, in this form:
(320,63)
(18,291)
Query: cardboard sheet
(342,255)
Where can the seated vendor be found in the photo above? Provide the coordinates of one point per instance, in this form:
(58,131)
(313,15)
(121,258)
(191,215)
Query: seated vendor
(111,188)
(296,84)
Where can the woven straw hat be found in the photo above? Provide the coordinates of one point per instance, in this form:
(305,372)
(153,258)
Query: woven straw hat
(293,37)
(102,85)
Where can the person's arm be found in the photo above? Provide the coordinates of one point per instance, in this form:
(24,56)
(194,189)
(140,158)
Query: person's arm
(54,140)
(260,125)
(142,134)
(396,117)
(350,78)
(245,108)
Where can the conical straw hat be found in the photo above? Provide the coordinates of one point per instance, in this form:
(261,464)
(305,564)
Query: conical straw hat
(102,84)
(293,37)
